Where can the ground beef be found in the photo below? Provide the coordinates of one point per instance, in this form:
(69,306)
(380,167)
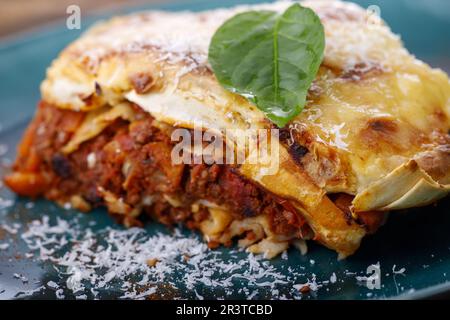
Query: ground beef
(133,163)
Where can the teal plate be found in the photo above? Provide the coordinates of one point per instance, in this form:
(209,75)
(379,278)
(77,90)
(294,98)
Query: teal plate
(412,251)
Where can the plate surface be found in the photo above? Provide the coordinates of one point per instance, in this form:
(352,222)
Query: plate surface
(412,250)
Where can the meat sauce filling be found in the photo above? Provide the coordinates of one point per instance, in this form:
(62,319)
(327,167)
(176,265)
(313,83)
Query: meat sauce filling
(130,164)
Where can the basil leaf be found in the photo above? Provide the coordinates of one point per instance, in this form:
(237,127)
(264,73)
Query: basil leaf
(270,59)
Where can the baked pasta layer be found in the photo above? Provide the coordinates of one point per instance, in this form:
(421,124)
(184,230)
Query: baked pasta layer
(372,138)
(128,169)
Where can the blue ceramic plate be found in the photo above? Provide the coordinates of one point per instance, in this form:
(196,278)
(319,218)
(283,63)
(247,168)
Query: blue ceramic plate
(411,253)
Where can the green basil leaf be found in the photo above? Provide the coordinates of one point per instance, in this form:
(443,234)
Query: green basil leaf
(270,59)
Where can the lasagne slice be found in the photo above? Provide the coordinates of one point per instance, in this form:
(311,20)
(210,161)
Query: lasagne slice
(372,138)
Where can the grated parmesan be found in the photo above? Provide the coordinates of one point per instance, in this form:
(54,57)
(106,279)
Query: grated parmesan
(91,265)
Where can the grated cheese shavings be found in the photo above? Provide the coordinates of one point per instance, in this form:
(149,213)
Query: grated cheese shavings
(91,263)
